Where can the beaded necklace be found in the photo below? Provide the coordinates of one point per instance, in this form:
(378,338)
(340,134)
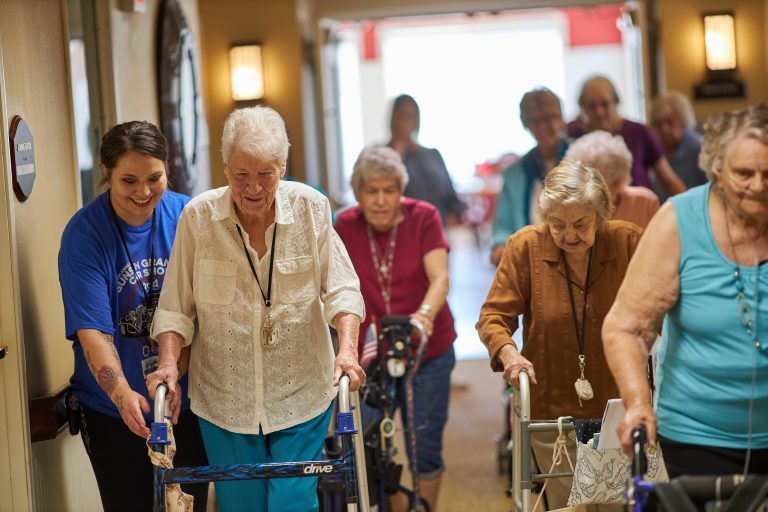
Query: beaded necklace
(383,264)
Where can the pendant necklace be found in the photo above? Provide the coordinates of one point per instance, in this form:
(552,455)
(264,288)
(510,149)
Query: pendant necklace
(745,312)
(383,264)
(268,331)
(583,387)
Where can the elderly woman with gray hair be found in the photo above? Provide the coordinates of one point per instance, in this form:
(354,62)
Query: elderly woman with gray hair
(562,277)
(399,251)
(609,154)
(256,275)
(701,270)
(671,117)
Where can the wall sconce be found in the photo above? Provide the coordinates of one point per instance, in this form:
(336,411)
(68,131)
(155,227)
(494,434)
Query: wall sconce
(720,41)
(246,71)
(720,58)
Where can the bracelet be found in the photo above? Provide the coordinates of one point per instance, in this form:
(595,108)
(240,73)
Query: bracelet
(425,309)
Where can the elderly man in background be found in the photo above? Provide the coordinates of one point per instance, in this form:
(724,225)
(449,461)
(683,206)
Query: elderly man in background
(599,106)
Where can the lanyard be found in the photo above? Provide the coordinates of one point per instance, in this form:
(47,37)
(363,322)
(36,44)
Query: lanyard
(580,336)
(145,289)
(268,296)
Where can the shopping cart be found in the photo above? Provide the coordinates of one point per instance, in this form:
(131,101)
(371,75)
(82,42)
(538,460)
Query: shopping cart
(350,467)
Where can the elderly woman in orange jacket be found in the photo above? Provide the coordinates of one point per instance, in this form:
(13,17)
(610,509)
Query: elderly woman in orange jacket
(562,277)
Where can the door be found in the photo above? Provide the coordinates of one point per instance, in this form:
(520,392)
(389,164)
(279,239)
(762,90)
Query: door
(15,475)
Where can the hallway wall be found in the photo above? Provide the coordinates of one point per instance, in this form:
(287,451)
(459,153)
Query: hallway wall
(36,81)
(682,36)
(274,23)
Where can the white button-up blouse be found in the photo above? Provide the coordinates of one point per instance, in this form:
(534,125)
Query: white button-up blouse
(211,298)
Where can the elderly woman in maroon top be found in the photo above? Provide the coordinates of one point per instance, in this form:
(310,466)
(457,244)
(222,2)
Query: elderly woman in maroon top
(400,254)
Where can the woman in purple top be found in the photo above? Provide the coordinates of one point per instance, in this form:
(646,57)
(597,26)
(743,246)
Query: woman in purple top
(598,101)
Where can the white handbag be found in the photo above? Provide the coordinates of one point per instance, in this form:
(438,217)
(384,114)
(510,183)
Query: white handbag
(601,476)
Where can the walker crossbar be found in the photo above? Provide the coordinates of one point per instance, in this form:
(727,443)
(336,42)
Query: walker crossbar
(347,468)
(522,476)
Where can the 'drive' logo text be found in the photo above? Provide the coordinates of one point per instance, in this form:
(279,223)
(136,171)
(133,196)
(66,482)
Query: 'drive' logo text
(315,469)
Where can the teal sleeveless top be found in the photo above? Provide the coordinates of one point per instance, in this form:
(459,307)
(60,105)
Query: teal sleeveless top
(705,357)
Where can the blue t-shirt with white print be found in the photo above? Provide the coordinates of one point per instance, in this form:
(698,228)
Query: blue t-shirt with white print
(103,291)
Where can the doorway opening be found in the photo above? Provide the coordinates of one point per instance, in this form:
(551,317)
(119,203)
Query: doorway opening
(468,72)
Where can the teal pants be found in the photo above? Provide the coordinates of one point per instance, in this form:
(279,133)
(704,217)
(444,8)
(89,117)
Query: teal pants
(302,442)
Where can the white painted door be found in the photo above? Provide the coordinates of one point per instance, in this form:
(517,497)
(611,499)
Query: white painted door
(15,479)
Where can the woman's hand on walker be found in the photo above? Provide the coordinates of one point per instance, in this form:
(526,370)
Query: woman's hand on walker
(514,362)
(132,407)
(640,413)
(169,374)
(346,362)
(425,321)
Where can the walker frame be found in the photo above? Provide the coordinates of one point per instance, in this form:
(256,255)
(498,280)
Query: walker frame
(350,467)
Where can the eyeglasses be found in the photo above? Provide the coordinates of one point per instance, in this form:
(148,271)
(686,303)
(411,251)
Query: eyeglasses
(544,119)
(594,105)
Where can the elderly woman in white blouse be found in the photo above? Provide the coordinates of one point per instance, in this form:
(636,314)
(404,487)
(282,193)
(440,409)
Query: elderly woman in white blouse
(256,275)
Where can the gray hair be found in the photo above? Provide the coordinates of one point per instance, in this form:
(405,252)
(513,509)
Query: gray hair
(680,106)
(258,131)
(719,132)
(539,100)
(378,162)
(605,152)
(573,183)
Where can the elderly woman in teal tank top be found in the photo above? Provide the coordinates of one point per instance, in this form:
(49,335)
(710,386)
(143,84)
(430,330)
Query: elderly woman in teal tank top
(702,269)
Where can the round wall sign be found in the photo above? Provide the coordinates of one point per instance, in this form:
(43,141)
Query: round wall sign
(22,158)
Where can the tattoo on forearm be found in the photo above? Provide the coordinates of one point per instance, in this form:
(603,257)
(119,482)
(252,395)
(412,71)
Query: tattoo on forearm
(118,399)
(111,342)
(107,378)
(90,363)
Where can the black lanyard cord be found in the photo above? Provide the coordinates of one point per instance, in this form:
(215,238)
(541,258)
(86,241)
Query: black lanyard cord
(267,298)
(146,290)
(580,337)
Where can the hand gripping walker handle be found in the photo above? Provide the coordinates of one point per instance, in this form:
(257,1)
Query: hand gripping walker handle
(159,430)
(345,423)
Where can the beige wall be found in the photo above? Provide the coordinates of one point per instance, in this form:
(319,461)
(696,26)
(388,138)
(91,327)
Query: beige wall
(682,36)
(273,23)
(35,55)
(36,84)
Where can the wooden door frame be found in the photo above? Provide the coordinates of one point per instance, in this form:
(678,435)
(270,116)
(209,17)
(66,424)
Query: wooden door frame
(15,446)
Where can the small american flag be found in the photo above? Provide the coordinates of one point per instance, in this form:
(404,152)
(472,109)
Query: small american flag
(370,346)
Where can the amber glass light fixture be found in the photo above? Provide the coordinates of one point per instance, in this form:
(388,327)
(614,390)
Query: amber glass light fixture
(246,72)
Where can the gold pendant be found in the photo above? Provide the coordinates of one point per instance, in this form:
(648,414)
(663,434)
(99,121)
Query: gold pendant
(268,331)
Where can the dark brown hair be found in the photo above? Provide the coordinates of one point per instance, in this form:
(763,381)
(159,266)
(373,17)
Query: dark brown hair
(142,137)
(406,99)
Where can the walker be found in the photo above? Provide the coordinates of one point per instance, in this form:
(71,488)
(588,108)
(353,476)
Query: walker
(692,493)
(350,468)
(401,362)
(522,427)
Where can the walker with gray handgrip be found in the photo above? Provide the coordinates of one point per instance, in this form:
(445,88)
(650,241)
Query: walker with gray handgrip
(522,427)
(350,467)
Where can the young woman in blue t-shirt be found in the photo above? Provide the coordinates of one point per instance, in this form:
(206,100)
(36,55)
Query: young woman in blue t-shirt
(112,261)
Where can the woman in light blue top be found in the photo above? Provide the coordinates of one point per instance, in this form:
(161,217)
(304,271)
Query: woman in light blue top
(702,267)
